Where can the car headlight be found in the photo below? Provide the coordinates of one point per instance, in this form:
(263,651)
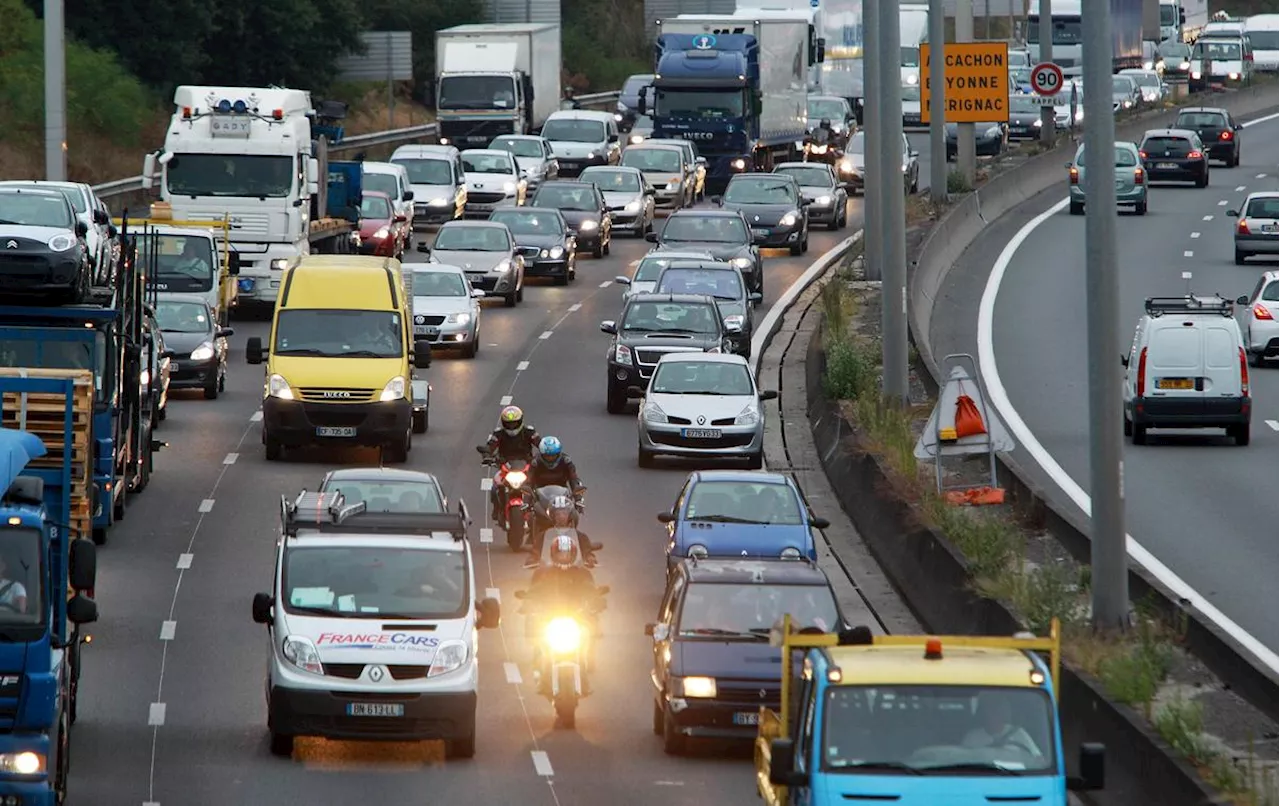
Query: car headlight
(699,551)
(995,132)
(735,320)
(632,207)
(1196,74)
(440,202)
(790,553)
(622,354)
(25,763)
(673,184)
(279,264)
(847,167)
(459,318)
(904,167)
(1185,66)
(516,479)
(588,226)
(503,266)
(822,201)
(563,635)
(636,139)
(302,654)
(653,413)
(703,688)
(144,379)
(203,353)
(617,117)
(913,79)
(449,657)
(748,416)
(394,390)
(1037,123)
(278,387)
(381,233)
(509,188)
(742,262)
(61,243)
(1079,115)
(790,219)
(1127,103)
(1233,76)
(590,155)
(556,252)
(738,164)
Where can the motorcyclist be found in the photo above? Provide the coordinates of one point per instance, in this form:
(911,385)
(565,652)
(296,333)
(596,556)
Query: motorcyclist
(562,510)
(512,439)
(569,102)
(553,466)
(568,583)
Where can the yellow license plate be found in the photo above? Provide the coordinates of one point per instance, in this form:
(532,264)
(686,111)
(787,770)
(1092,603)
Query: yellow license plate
(1175,383)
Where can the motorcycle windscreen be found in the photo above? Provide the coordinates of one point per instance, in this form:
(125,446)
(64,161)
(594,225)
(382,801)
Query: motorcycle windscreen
(549,542)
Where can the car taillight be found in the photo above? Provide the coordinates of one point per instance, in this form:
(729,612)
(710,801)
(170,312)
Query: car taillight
(1244,372)
(1075,176)
(1142,154)
(1142,372)
(1226,135)
(1260,312)
(1194,155)
(1139,176)
(1243,227)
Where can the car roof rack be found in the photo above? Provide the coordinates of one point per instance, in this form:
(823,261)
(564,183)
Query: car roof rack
(1190,304)
(330,513)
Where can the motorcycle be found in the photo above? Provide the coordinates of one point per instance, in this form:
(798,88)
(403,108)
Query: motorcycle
(538,505)
(824,150)
(509,480)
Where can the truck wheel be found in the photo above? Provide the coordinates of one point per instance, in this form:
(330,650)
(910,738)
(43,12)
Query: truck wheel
(281,745)
(62,771)
(396,454)
(510,299)
(99,536)
(121,505)
(211,391)
(419,422)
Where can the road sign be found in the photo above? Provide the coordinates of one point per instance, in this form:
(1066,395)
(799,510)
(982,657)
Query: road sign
(1046,78)
(977,82)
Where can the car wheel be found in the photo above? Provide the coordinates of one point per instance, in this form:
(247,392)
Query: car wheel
(1241,257)
(419,422)
(657,719)
(1203,181)
(511,298)
(281,745)
(1076,208)
(563,279)
(598,251)
(211,390)
(1140,208)
(1128,427)
(272,449)
(616,399)
(1139,433)
(1240,433)
(644,458)
(796,249)
(469,351)
(755,461)
(608,243)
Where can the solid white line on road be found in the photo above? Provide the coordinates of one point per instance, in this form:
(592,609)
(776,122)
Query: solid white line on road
(1195,235)
(1240,189)
(606,283)
(999,398)
(522,366)
(206,505)
(1188,253)
(1275,426)
(256,417)
(546,334)
(577,306)
(230,459)
(668,783)
(486,534)
(155,716)
(493,593)
(505,400)
(184,561)
(167,629)
(486,484)
(541,763)
(1208,218)
(152,803)
(513,673)
(1222,203)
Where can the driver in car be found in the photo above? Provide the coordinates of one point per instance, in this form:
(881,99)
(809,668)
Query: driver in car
(997,729)
(13,595)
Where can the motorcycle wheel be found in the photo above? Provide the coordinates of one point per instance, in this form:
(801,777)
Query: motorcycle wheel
(566,701)
(515,531)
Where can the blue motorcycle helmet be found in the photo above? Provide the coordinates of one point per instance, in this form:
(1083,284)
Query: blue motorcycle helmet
(549,451)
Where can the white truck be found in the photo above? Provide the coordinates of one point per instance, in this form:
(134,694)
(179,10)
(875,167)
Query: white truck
(796,10)
(913,28)
(246,155)
(495,79)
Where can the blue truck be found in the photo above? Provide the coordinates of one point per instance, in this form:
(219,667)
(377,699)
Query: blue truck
(46,587)
(737,88)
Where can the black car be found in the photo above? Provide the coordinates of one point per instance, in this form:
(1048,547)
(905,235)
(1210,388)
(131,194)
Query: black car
(1024,117)
(989,139)
(1176,57)
(723,234)
(544,238)
(652,325)
(1217,130)
(1174,155)
(722,282)
(773,207)
(584,208)
(628,107)
(43,247)
(713,667)
(197,347)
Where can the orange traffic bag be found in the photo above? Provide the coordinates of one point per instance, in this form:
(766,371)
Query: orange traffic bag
(968,418)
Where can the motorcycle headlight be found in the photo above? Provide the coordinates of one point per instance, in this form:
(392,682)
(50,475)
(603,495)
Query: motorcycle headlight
(459,318)
(1148,65)
(790,553)
(735,321)
(699,551)
(703,688)
(1127,103)
(742,262)
(440,202)
(556,252)
(1196,74)
(846,166)
(278,387)
(203,353)
(790,219)
(563,635)
(632,207)
(509,188)
(394,390)
(302,654)
(61,243)
(1185,66)
(822,201)
(144,379)
(748,416)
(904,167)
(516,478)
(588,226)
(24,763)
(1233,76)
(818,149)
(653,413)
(622,354)
(449,657)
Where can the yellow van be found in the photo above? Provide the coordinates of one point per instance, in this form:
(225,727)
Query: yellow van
(340,365)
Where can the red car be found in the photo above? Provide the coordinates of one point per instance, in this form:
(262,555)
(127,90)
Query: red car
(382,232)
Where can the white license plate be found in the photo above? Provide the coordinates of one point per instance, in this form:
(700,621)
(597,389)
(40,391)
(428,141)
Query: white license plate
(746,718)
(1270,228)
(422,330)
(375,709)
(173,365)
(1166,165)
(759,233)
(700,433)
(329,431)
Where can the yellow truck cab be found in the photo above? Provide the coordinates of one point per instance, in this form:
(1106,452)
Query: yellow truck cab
(339,368)
(917,720)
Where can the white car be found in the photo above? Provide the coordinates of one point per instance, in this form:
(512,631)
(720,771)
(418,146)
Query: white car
(446,308)
(533,155)
(649,268)
(1258,228)
(1259,315)
(493,181)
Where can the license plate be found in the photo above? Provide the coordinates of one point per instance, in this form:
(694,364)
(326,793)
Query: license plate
(746,718)
(1166,165)
(1175,383)
(1270,228)
(329,431)
(700,433)
(375,709)
(474,278)
(759,233)
(422,330)
(173,366)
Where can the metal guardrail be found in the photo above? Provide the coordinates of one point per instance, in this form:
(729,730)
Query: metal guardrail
(119,187)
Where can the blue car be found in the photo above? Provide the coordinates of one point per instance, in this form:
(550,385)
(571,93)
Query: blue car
(737,513)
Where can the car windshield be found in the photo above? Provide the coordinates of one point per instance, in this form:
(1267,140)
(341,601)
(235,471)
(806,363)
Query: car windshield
(332,333)
(830,110)
(643,122)
(715,610)
(1145,79)
(671,317)
(249,175)
(21,578)
(750,190)
(440,284)
(183,317)
(377,208)
(857,144)
(809,176)
(1264,40)
(700,104)
(701,378)
(76,198)
(937,729)
(613,181)
(518,146)
(572,130)
(472,239)
(472,91)
(390,495)
(718,283)
(376,582)
(650,269)
(177,263)
(1164,146)
(1168,14)
(1019,58)
(524,222)
(1121,84)
(1023,103)
(709,229)
(380,183)
(1124,158)
(35,210)
(578,197)
(744,502)
(1017,75)
(493,162)
(1263,207)
(1066,31)
(1219,51)
(910,56)
(427,171)
(1174,50)
(1201,120)
(652,159)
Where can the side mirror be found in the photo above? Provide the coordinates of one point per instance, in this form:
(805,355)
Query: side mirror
(253,352)
(148,170)
(400,219)
(233,264)
(262,604)
(82,229)
(1093,769)
(755,298)
(1238,127)
(101,218)
(733,328)
(769,394)
(717,200)
(1242,300)
(82,572)
(620,280)
(913,153)
(1124,360)
(490,614)
(112,232)
(82,610)
(782,764)
(1067,165)
(169,354)
(477,293)
(421,354)
(1233,213)
(424,248)
(464,512)
(666,517)
(659,632)
(635,391)
(650,192)
(701,161)
(408,195)
(819,523)
(609,326)
(651,237)
(223,332)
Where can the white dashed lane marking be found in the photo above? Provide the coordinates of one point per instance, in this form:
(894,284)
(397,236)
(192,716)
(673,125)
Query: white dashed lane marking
(546,334)
(486,484)
(606,283)
(1260,176)
(230,458)
(1222,203)
(486,534)
(184,561)
(1195,235)
(257,417)
(522,366)
(1208,218)
(493,593)
(206,505)
(577,306)
(1188,253)
(155,717)
(541,763)
(1275,426)
(1240,189)
(513,673)
(167,630)
(505,400)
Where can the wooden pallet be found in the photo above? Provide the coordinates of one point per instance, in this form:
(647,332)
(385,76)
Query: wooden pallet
(42,415)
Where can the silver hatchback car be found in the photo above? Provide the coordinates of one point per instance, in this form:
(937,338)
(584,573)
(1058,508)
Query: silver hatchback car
(1258,228)
(1131,179)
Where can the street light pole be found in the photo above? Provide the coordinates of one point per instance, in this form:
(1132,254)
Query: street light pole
(1045,25)
(872,110)
(937,121)
(55,92)
(890,193)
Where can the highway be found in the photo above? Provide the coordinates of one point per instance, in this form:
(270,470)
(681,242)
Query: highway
(1203,508)
(172,708)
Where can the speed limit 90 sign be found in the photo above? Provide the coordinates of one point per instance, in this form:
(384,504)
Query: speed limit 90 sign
(1046,78)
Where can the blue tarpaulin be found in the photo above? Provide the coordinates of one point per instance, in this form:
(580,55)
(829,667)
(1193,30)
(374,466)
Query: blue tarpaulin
(17,449)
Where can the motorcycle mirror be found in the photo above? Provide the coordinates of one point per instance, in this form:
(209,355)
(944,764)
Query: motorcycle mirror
(480,449)
(603,589)
(520,594)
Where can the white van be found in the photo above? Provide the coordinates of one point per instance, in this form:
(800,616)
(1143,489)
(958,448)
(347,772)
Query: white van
(581,138)
(1263,33)
(1187,368)
(372,625)
(435,175)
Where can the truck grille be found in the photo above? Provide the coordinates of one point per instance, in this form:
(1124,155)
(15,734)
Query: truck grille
(429,321)
(242,223)
(479,197)
(474,131)
(334,394)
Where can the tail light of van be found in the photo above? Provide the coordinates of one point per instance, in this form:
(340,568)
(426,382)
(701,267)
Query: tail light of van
(1244,372)
(1260,311)
(1142,373)
(1074,173)
(1195,155)
(1139,176)
(1227,136)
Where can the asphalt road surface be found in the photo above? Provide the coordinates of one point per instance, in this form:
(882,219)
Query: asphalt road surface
(172,707)
(1204,507)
